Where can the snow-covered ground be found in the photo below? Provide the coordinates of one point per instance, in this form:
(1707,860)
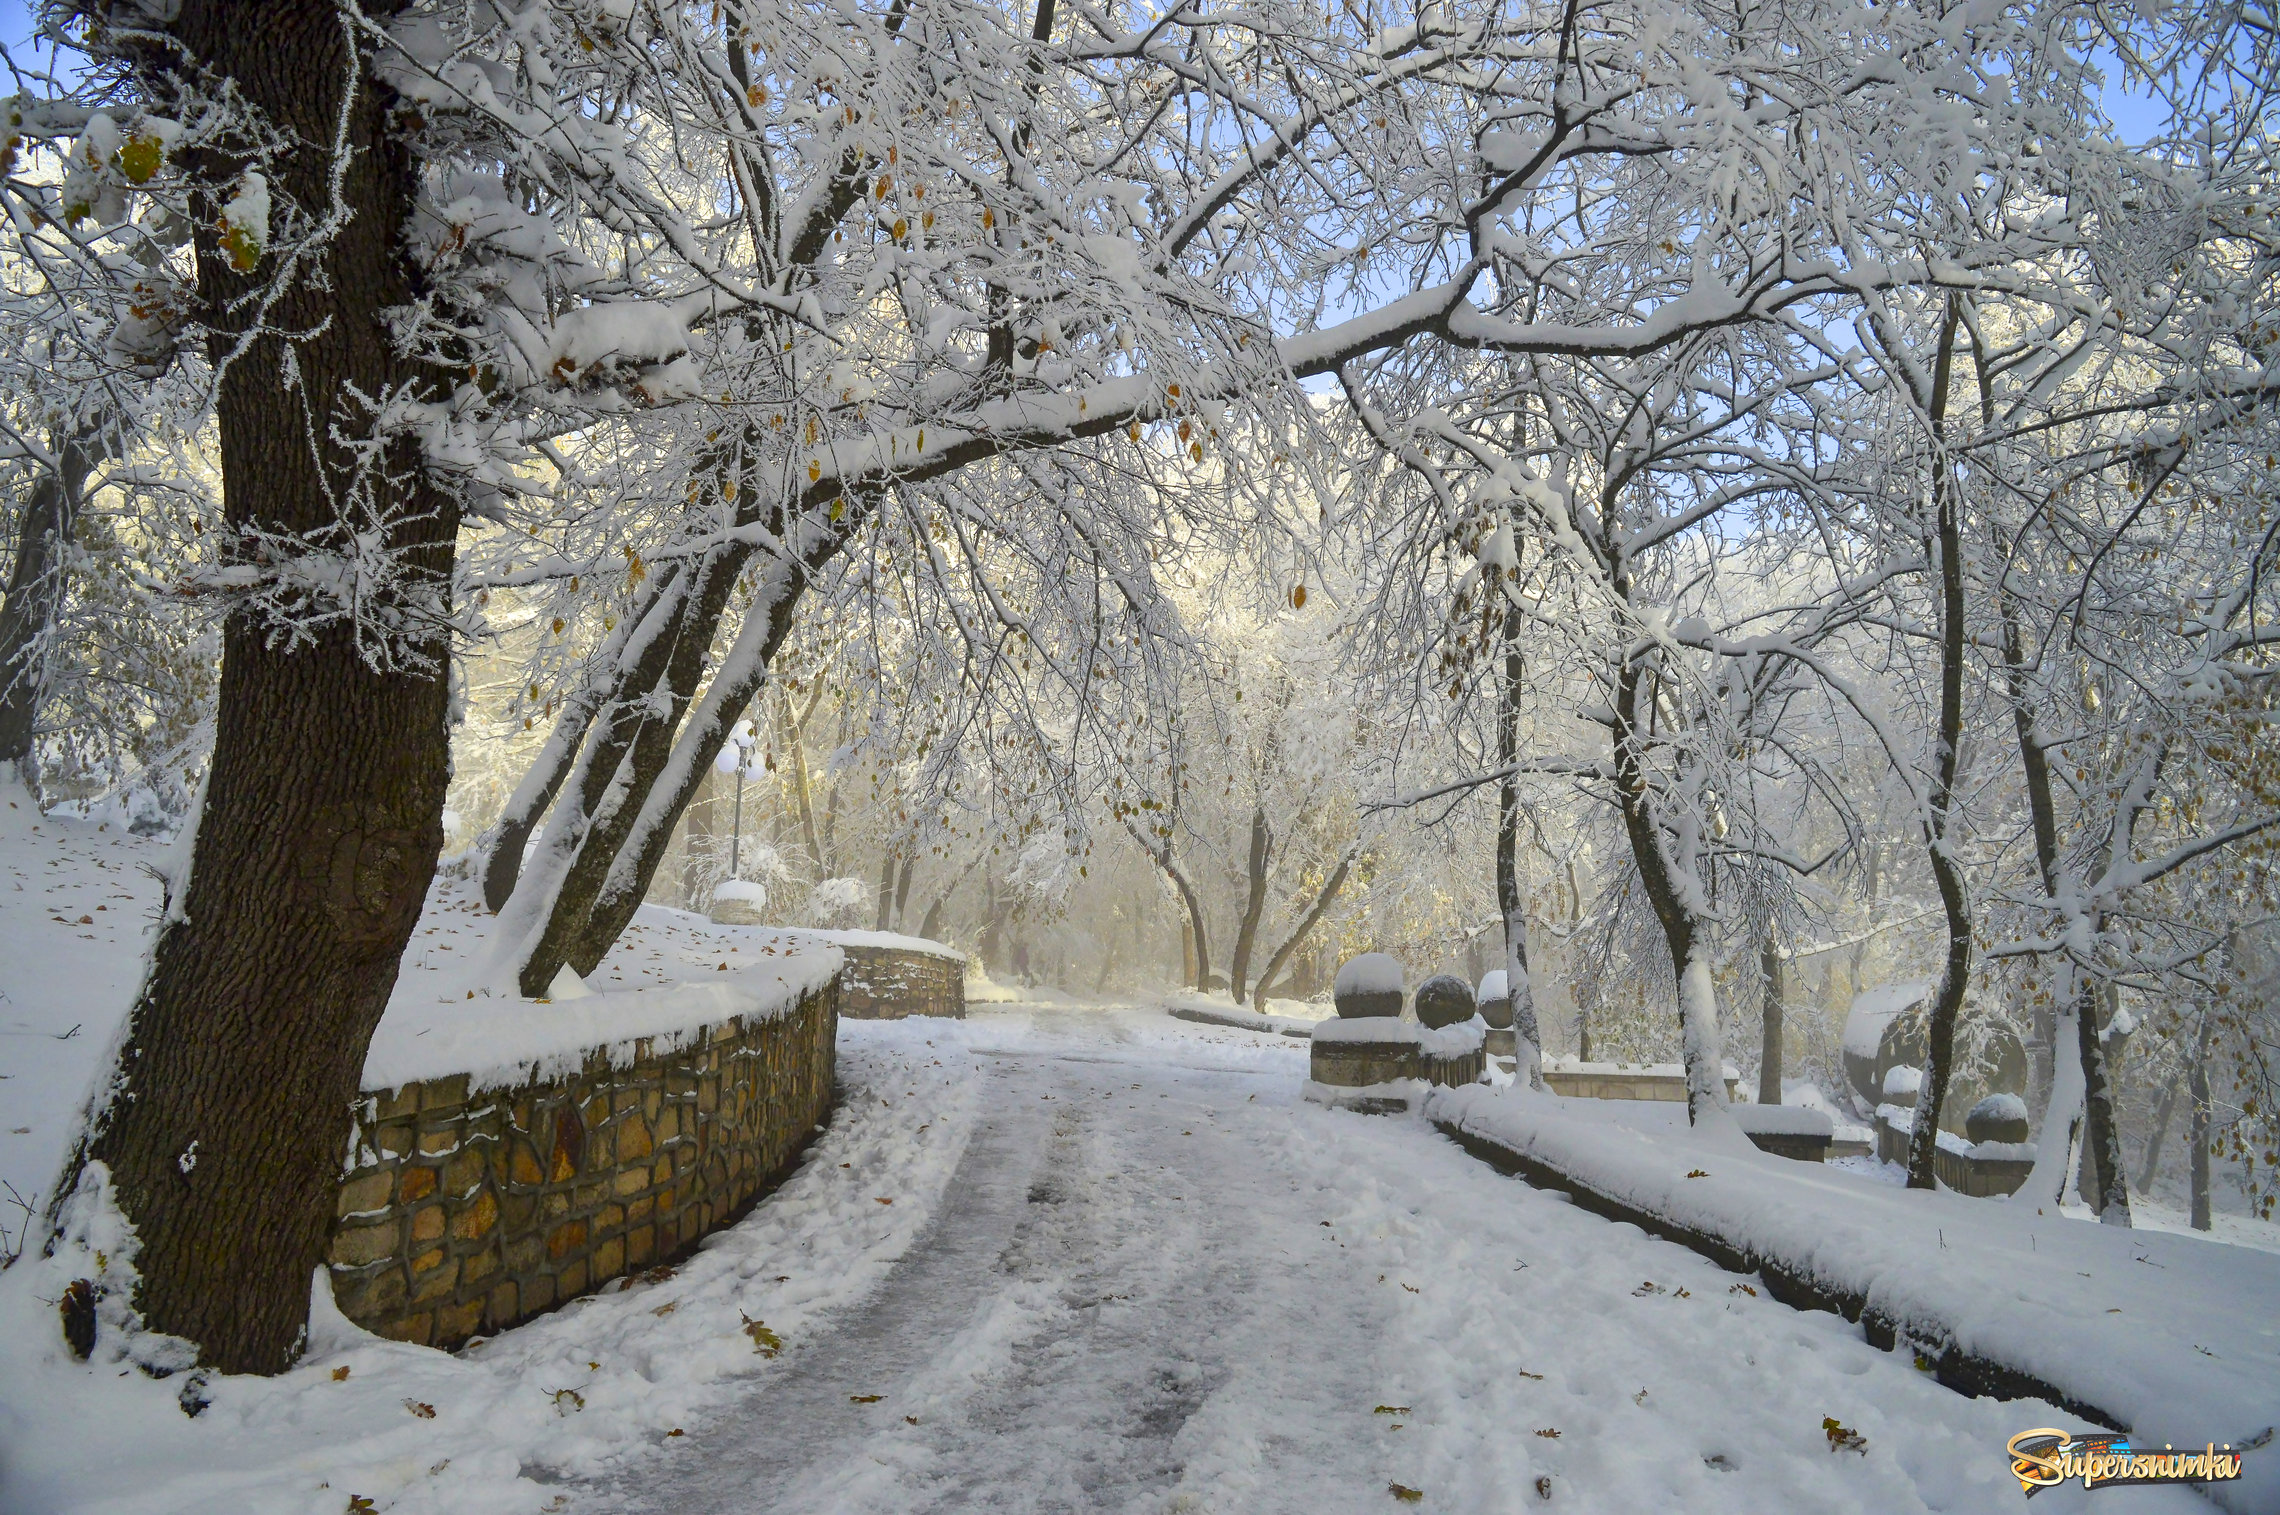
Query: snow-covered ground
(1123,1268)
(1086,1258)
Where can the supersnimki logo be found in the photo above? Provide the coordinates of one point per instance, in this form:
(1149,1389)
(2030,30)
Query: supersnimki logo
(2046,1457)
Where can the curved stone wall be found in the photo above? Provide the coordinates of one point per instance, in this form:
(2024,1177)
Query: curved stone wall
(888,983)
(467,1210)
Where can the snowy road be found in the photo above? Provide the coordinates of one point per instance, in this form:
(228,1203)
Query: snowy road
(1156,1282)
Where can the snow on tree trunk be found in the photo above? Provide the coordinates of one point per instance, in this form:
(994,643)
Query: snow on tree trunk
(221,1123)
(1705,1046)
(2054,1146)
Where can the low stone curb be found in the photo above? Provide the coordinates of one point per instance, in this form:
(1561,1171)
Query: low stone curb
(1966,1373)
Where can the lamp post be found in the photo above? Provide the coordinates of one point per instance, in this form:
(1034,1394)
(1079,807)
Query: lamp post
(736,758)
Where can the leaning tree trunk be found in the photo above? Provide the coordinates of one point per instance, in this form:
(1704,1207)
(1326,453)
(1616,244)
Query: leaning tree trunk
(322,817)
(1323,899)
(542,782)
(1247,934)
(35,591)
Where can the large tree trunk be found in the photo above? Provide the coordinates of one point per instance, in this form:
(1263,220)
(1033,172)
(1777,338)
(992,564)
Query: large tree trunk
(35,591)
(322,815)
(1947,872)
(1262,846)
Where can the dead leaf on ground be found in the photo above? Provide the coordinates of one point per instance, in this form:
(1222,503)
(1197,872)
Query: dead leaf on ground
(1405,1493)
(1391,1410)
(764,1341)
(865,1399)
(340,1374)
(1696,1173)
(423,1411)
(1843,1437)
(1550,1433)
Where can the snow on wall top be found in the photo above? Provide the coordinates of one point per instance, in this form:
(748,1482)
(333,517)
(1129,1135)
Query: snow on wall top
(891,941)
(1875,1008)
(1782,1120)
(1491,987)
(1446,1041)
(1370,973)
(501,1043)
(670,973)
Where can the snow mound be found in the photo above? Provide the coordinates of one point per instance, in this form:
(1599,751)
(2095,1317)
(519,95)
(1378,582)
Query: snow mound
(1782,1120)
(1902,1081)
(1370,973)
(1491,987)
(1459,1040)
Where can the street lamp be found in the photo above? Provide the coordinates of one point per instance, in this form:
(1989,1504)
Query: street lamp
(736,757)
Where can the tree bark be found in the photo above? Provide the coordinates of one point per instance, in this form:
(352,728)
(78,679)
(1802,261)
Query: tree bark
(1162,858)
(1262,845)
(1769,1050)
(1528,1045)
(1947,873)
(2152,1164)
(1323,899)
(902,891)
(2108,1189)
(35,591)
(1682,930)
(322,815)
(795,734)
(542,784)
(2197,1088)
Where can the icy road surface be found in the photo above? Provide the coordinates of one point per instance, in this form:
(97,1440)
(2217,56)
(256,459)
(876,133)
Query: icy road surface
(1155,1281)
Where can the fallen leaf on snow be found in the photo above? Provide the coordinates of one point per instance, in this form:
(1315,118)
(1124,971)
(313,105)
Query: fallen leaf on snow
(865,1399)
(423,1411)
(1404,1493)
(1842,1437)
(764,1341)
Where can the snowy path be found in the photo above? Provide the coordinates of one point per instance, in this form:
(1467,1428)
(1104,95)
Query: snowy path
(1128,1299)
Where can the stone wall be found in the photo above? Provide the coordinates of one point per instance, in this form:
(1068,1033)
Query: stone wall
(888,983)
(468,1210)
(1657,1081)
